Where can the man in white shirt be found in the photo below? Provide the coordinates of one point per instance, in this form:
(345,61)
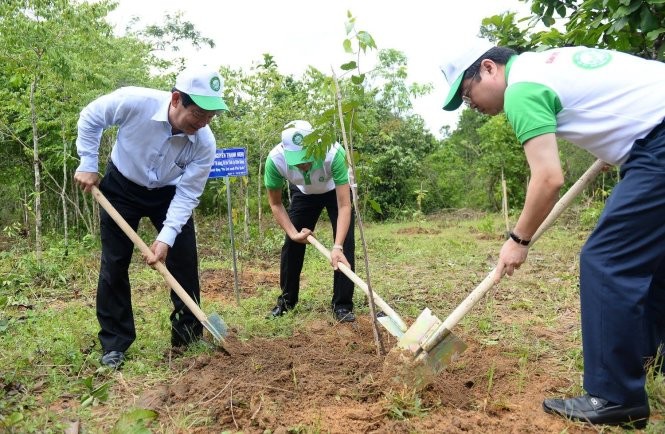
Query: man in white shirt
(610,104)
(158,168)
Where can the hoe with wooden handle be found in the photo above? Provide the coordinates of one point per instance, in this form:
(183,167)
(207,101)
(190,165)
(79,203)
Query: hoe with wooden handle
(392,321)
(419,331)
(440,346)
(213,323)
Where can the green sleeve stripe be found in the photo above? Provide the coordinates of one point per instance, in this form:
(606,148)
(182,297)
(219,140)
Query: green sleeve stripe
(531,109)
(535,133)
(339,170)
(272,179)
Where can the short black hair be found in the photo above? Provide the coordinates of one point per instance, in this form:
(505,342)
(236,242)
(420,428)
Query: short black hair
(499,55)
(185,98)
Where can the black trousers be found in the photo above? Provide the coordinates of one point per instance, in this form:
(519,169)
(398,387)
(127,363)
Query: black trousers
(304,212)
(114,300)
(622,278)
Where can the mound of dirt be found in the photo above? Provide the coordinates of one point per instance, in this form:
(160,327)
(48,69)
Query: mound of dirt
(329,378)
(418,231)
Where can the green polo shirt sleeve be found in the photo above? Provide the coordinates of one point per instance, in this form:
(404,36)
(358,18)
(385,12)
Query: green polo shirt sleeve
(272,179)
(339,170)
(531,109)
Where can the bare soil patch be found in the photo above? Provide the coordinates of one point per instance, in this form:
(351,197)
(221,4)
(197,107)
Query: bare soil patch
(418,231)
(329,378)
(220,284)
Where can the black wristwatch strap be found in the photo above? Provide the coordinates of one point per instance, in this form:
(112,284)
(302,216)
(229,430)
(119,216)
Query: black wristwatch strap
(518,240)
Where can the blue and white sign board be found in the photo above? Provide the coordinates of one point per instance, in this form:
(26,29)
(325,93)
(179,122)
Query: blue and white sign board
(229,162)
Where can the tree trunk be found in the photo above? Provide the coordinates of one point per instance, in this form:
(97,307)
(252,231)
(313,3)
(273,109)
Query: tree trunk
(63,195)
(504,202)
(77,201)
(258,194)
(26,212)
(35,163)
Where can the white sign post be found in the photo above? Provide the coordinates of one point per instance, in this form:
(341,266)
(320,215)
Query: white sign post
(230,162)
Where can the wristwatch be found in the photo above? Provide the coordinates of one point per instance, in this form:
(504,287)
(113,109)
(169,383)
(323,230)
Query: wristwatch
(519,240)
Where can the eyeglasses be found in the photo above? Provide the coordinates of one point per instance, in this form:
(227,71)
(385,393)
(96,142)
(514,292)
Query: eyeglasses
(202,115)
(466,93)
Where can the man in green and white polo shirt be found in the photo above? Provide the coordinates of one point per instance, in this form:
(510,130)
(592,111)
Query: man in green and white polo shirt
(314,185)
(613,105)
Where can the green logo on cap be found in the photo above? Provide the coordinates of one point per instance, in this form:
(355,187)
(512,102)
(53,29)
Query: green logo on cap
(297,139)
(591,59)
(321,179)
(215,84)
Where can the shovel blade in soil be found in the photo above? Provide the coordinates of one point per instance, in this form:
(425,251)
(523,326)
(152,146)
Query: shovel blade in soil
(440,356)
(443,353)
(416,373)
(391,326)
(217,327)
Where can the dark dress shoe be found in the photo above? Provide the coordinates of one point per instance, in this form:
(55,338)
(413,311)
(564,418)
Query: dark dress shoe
(344,315)
(278,311)
(599,411)
(113,359)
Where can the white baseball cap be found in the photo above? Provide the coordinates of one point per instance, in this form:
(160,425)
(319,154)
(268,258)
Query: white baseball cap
(292,141)
(204,85)
(459,58)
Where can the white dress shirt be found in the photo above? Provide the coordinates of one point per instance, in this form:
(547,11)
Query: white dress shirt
(146,151)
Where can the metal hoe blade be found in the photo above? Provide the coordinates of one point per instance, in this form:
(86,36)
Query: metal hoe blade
(438,357)
(419,372)
(443,353)
(391,326)
(218,329)
(419,331)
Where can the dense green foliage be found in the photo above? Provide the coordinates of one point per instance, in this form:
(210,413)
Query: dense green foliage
(59,55)
(633,26)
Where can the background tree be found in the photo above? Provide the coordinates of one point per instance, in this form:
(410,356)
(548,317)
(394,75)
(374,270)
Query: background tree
(54,54)
(632,26)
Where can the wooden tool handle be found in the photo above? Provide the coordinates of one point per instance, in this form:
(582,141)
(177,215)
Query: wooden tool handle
(358,281)
(138,242)
(488,283)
